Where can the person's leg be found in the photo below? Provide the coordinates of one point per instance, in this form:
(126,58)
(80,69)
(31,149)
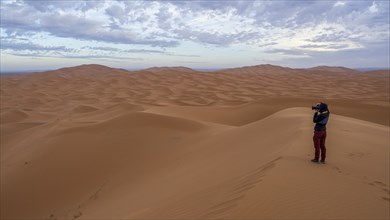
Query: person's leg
(317,144)
(322,146)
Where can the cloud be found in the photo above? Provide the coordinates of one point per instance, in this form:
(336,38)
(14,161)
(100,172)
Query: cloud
(117,14)
(114,49)
(374,55)
(373,8)
(145,51)
(326,46)
(29,46)
(44,6)
(339,3)
(29,18)
(165,28)
(166,24)
(206,37)
(220,27)
(288,52)
(99,57)
(65,56)
(267,44)
(330,37)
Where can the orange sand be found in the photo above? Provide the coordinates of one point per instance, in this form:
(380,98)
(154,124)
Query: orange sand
(92,142)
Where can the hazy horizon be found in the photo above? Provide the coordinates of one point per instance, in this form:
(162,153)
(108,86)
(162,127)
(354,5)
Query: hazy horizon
(363,69)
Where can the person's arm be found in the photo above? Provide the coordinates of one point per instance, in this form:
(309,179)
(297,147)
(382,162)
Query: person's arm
(318,117)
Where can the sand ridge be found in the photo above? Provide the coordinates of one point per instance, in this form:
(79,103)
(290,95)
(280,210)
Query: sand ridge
(93,142)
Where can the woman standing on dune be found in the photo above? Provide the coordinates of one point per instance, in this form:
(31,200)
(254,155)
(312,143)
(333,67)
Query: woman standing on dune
(321,117)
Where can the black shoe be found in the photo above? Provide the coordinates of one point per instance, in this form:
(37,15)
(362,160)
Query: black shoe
(314,161)
(322,161)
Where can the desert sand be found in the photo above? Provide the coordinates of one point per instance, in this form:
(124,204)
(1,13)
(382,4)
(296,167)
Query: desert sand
(93,142)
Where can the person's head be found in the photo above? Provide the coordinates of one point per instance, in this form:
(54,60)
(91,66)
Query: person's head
(322,107)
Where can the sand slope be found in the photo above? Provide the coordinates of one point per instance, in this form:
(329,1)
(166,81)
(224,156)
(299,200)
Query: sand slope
(93,142)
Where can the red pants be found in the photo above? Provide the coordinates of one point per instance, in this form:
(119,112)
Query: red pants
(319,144)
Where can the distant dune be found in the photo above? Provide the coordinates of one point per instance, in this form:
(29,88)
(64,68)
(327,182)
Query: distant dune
(338,69)
(94,142)
(163,69)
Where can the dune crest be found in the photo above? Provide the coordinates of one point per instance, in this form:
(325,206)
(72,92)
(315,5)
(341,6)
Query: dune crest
(92,142)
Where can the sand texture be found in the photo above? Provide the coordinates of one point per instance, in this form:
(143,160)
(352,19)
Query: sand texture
(93,142)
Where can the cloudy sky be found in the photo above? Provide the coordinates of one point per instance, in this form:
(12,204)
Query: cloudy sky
(40,35)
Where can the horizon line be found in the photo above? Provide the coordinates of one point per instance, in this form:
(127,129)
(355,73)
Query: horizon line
(363,69)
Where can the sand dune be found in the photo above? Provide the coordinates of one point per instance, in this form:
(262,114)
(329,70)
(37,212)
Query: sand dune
(92,142)
(13,116)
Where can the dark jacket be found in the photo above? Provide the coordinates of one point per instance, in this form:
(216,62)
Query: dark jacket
(321,119)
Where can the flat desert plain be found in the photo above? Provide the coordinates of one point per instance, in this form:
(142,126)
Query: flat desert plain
(93,142)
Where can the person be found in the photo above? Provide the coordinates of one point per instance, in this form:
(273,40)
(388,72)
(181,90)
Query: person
(320,118)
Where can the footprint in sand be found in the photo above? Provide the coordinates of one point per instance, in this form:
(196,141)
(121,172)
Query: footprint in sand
(247,182)
(340,171)
(383,187)
(357,155)
(379,183)
(77,215)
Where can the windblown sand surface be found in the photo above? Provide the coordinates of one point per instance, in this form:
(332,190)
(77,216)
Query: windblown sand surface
(91,142)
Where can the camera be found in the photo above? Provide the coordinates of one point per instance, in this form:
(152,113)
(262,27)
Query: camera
(320,107)
(315,107)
